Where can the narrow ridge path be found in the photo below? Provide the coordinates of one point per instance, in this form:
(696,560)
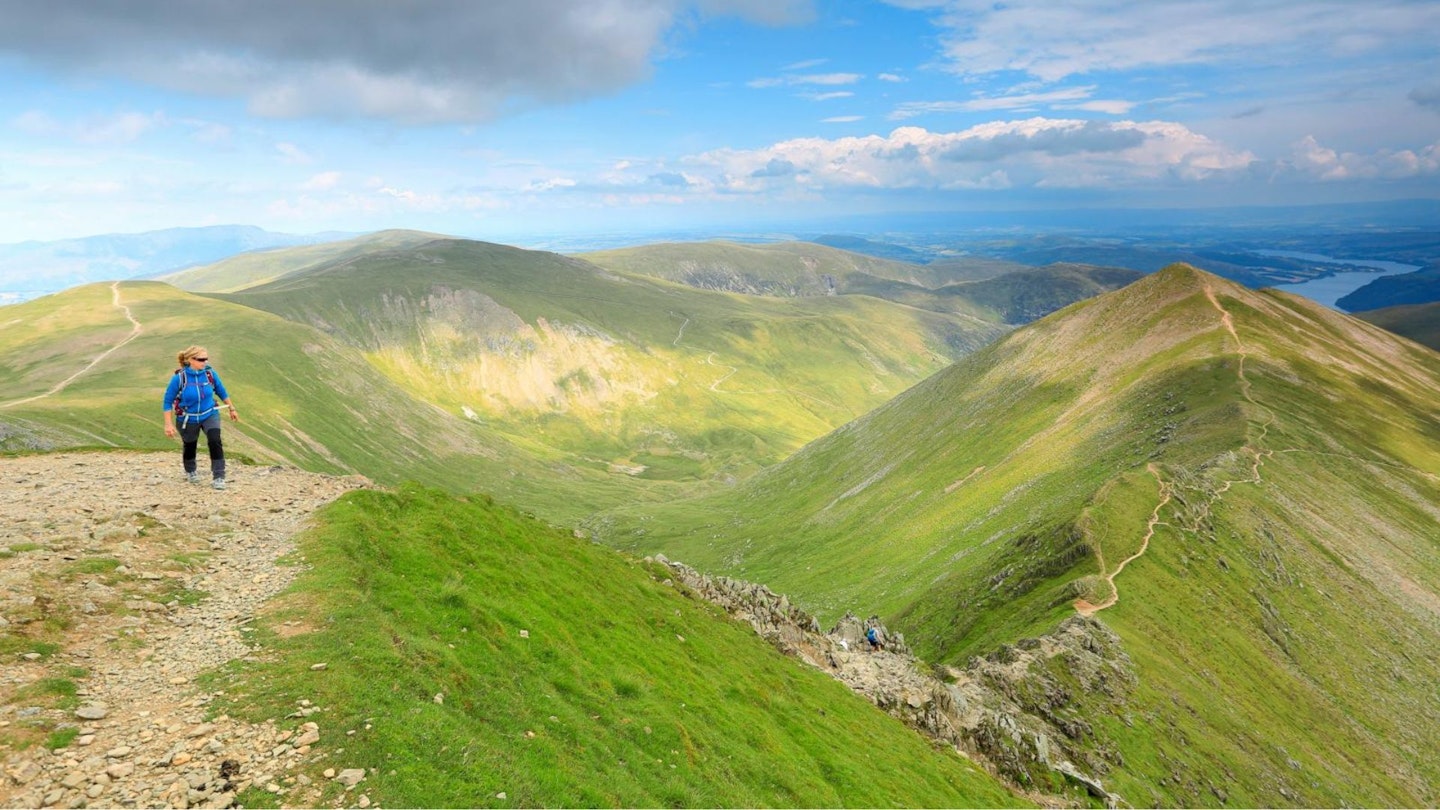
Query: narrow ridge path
(1258,456)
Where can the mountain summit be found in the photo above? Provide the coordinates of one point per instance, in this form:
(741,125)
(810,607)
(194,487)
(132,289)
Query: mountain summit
(1244,485)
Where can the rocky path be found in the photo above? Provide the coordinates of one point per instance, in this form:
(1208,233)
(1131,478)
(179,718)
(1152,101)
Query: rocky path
(119,584)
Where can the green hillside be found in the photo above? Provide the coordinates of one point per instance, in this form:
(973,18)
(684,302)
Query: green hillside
(566,676)
(304,398)
(1262,469)
(258,267)
(633,376)
(1419,322)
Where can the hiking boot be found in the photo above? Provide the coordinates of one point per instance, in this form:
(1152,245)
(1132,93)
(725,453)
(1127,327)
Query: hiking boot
(193,477)
(218,483)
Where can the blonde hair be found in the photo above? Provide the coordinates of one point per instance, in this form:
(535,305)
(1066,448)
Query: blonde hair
(184,356)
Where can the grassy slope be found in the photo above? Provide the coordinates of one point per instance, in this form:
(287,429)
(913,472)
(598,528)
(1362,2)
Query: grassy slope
(666,381)
(623,693)
(259,267)
(1296,617)
(1419,322)
(304,398)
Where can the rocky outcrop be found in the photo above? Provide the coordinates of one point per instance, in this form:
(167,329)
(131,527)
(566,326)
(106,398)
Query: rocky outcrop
(1013,709)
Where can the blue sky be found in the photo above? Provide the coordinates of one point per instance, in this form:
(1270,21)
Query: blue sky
(496,118)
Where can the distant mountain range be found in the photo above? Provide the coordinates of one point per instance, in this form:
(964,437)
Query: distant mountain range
(42,267)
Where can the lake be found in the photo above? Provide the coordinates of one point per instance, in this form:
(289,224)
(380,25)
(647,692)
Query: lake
(1332,288)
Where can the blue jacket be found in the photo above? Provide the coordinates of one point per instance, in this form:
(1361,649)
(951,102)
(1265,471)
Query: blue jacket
(198,399)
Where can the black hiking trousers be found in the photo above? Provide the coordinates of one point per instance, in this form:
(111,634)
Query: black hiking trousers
(190,435)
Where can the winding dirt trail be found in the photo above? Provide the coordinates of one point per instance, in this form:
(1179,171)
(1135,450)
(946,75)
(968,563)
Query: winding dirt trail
(1085,608)
(1258,456)
(135,330)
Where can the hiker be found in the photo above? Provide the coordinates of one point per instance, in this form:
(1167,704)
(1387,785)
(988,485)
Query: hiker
(190,403)
(874,639)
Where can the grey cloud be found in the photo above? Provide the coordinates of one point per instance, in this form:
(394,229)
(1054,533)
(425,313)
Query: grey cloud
(1427,95)
(422,61)
(908,152)
(1094,136)
(775,168)
(1249,112)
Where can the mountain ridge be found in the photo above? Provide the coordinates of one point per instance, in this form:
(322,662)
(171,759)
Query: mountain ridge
(1198,465)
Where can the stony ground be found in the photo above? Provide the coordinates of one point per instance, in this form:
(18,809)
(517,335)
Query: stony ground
(119,583)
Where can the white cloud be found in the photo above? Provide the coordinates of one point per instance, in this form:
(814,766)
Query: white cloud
(890,77)
(290,153)
(842,119)
(1052,41)
(910,109)
(1038,152)
(1109,107)
(827,96)
(1310,159)
(323,181)
(792,80)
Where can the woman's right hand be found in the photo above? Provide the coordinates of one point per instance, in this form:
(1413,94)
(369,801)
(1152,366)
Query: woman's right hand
(170,431)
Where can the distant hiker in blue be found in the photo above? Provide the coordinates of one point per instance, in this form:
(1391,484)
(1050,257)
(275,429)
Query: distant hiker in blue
(873,637)
(190,402)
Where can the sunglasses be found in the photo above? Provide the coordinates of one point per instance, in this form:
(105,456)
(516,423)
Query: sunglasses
(201,359)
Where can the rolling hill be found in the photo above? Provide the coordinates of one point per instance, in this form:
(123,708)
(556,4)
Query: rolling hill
(87,367)
(1012,293)
(1419,322)
(1244,485)
(632,376)
(258,267)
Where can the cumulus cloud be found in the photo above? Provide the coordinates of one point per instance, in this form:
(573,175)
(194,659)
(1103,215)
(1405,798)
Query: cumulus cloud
(1310,159)
(1036,152)
(1052,41)
(422,61)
